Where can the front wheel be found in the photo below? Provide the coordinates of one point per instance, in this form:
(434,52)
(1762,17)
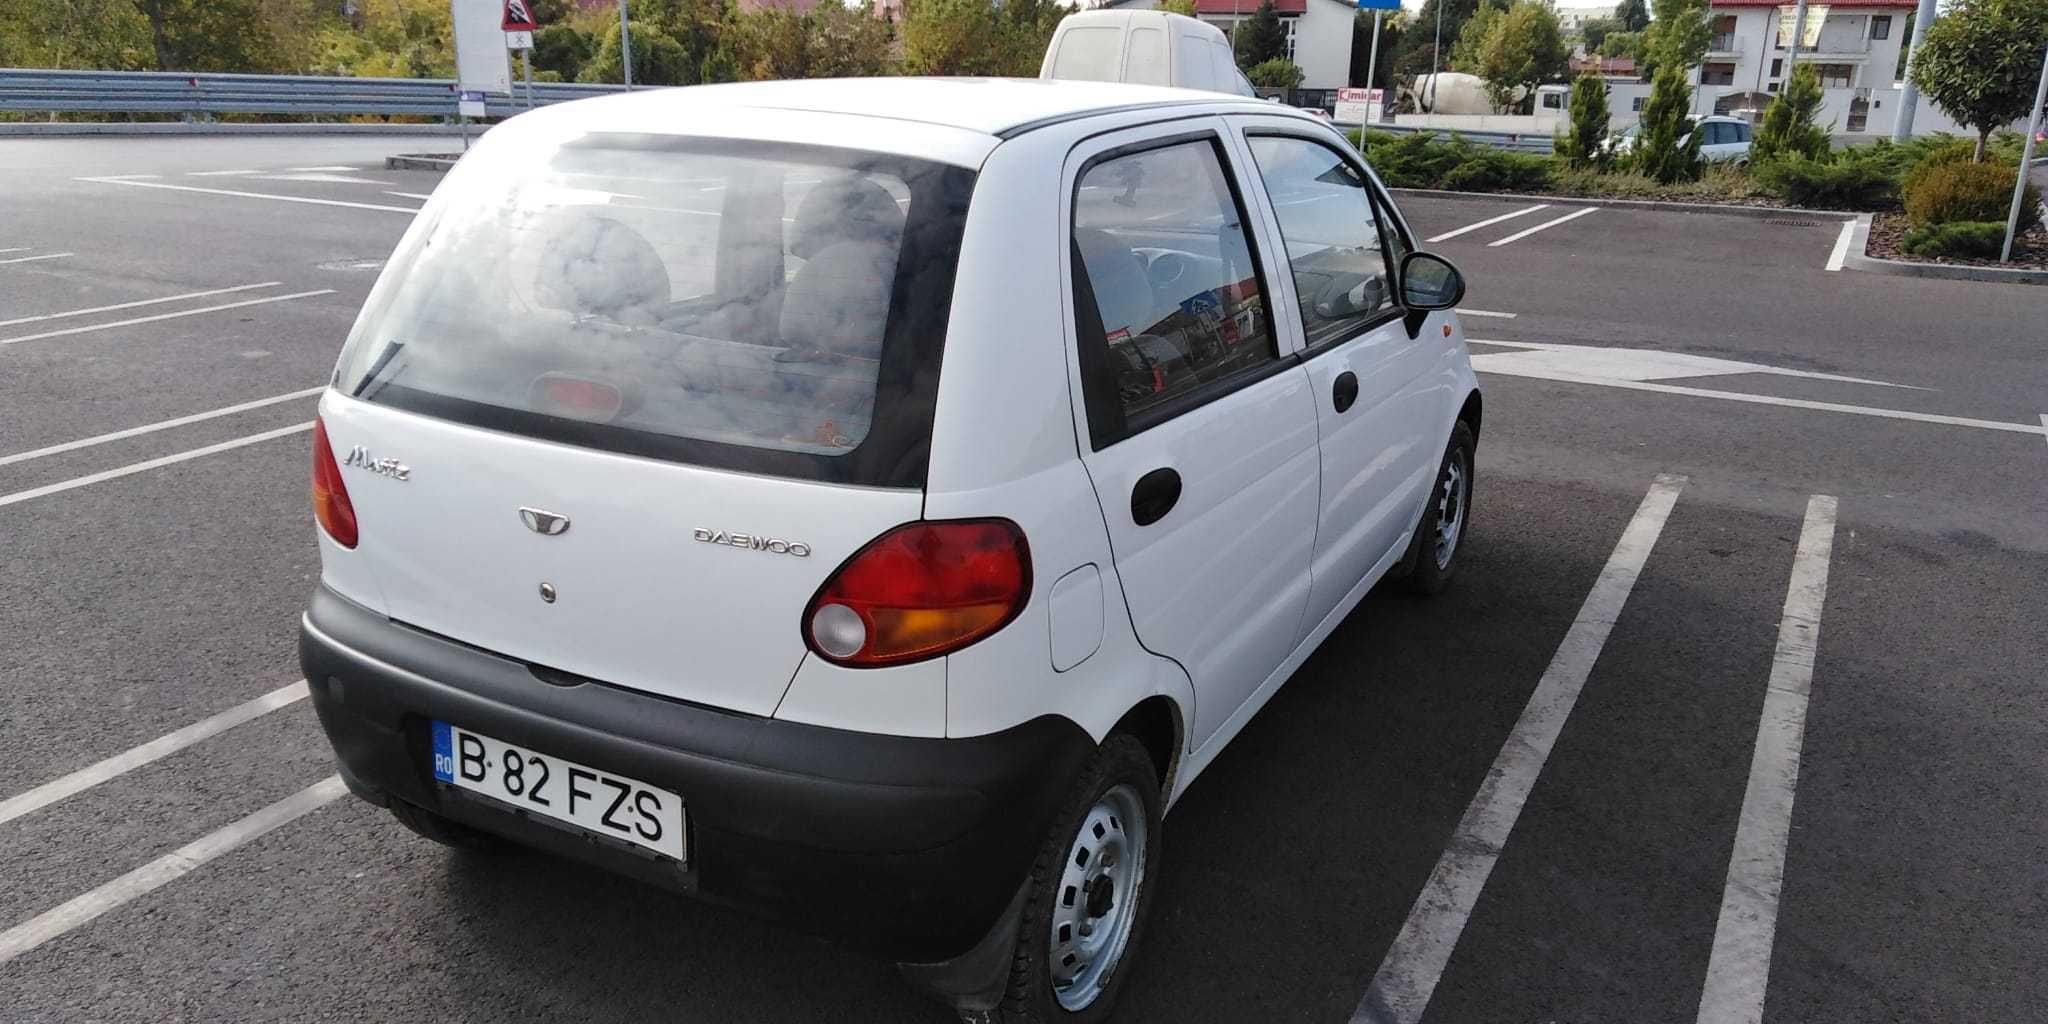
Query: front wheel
(1085,909)
(1442,527)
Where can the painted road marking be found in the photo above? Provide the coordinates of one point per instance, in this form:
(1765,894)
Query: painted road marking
(72,446)
(166,869)
(163,746)
(219,174)
(1408,976)
(1546,225)
(250,195)
(1841,245)
(139,302)
(143,467)
(165,316)
(1462,311)
(1617,363)
(18,248)
(322,176)
(1740,966)
(1490,221)
(408,195)
(45,256)
(1789,403)
(323,167)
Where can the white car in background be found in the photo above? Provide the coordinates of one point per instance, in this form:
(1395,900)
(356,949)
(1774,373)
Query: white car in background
(1726,139)
(875,521)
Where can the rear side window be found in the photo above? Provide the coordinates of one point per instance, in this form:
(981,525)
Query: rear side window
(1171,306)
(1088,54)
(769,308)
(1341,275)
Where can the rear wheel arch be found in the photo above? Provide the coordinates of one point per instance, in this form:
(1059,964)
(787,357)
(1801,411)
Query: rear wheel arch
(1156,723)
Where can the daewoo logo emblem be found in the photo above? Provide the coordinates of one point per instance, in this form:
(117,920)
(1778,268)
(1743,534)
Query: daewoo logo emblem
(544,522)
(754,542)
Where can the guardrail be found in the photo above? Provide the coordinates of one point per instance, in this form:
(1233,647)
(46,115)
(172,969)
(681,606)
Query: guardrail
(29,90)
(1520,142)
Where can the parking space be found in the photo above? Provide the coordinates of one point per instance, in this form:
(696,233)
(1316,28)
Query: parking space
(1530,799)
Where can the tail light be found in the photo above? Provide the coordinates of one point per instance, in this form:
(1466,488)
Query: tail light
(920,591)
(331,506)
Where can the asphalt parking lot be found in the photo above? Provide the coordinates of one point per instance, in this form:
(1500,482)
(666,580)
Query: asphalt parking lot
(1729,500)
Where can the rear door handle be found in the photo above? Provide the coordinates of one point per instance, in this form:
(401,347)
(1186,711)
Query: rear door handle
(1154,496)
(1345,391)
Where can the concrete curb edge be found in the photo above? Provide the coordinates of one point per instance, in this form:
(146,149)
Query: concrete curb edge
(1717,209)
(39,129)
(418,162)
(1859,258)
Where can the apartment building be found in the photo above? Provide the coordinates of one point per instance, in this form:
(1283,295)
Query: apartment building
(1854,46)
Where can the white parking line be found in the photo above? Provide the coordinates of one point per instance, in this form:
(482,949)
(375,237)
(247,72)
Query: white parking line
(1739,968)
(163,746)
(1490,221)
(138,302)
(251,195)
(165,316)
(1462,311)
(1519,235)
(1408,976)
(45,256)
(142,467)
(408,195)
(219,174)
(1789,403)
(1841,245)
(18,248)
(72,446)
(166,869)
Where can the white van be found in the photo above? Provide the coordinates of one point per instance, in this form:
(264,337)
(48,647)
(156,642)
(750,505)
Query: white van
(1143,48)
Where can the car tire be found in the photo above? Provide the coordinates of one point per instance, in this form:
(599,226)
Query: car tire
(1433,554)
(1116,796)
(448,833)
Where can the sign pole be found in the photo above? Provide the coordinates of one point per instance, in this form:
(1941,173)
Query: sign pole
(1909,94)
(1372,69)
(2019,186)
(626,46)
(526,68)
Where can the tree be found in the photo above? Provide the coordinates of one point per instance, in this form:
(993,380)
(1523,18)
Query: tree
(1278,73)
(1524,49)
(1584,144)
(561,49)
(1394,27)
(1417,48)
(1678,35)
(1633,15)
(386,39)
(90,34)
(1184,7)
(847,42)
(1594,31)
(1468,51)
(657,59)
(1667,148)
(1622,44)
(951,37)
(1262,38)
(1981,60)
(211,35)
(1789,125)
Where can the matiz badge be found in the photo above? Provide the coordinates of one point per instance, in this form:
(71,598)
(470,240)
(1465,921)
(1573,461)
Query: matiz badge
(360,456)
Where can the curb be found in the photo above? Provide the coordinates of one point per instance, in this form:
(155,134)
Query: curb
(1859,258)
(1660,206)
(419,162)
(33,129)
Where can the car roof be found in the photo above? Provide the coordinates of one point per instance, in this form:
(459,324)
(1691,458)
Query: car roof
(992,106)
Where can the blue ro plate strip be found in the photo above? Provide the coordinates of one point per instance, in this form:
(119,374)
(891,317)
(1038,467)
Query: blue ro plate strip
(444,753)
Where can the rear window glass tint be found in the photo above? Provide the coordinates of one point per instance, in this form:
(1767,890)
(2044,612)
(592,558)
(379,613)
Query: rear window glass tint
(768,308)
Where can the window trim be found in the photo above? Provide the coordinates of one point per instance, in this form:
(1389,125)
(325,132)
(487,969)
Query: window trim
(1107,422)
(1363,323)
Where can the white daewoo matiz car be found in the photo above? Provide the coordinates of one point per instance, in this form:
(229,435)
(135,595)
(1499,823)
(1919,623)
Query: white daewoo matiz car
(870,504)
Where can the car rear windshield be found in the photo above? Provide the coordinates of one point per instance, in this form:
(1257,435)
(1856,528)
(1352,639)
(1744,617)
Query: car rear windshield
(770,308)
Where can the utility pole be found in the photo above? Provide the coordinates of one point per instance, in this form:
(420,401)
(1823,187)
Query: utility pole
(626,44)
(2019,187)
(1436,54)
(1909,97)
(1798,34)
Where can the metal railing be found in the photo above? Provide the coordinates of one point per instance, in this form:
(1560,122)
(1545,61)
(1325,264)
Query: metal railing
(1520,142)
(28,90)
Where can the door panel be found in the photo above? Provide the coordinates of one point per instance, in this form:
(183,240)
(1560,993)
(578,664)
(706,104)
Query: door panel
(1364,368)
(1199,437)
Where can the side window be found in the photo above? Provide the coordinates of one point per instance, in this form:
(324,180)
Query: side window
(1332,233)
(1742,133)
(1167,295)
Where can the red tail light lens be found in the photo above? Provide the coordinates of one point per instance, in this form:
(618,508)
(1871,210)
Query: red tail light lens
(330,498)
(919,591)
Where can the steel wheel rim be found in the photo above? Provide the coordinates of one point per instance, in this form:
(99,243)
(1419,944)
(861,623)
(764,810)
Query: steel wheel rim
(1451,494)
(1095,908)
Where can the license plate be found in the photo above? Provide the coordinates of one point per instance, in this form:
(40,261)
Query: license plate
(553,787)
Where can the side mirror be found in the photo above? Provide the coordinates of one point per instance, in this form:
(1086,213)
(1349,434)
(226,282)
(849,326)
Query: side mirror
(1429,281)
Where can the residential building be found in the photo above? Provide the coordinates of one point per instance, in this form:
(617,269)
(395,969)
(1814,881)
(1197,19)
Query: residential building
(1318,37)
(1571,19)
(1853,45)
